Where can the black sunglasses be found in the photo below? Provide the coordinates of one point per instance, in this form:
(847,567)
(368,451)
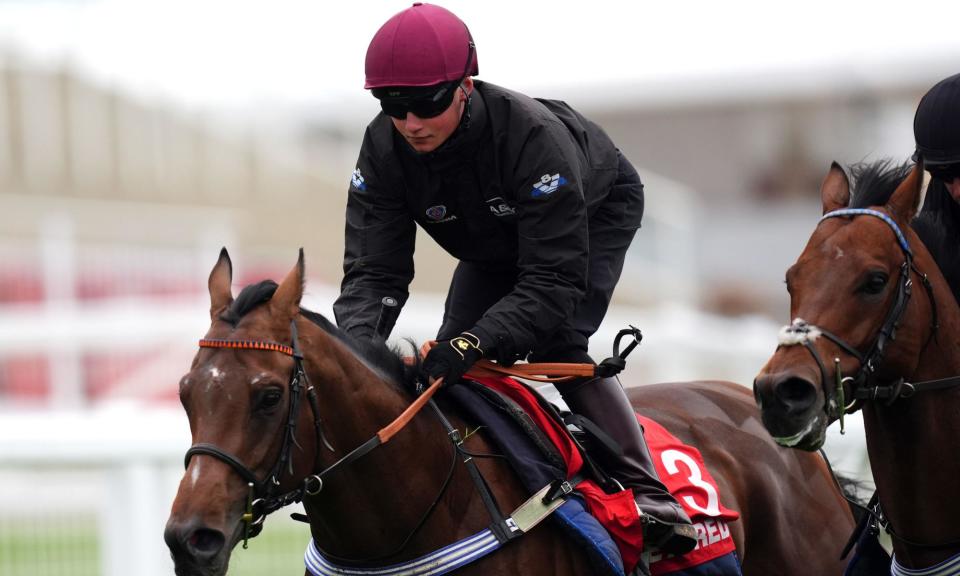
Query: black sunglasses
(422,104)
(945,172)
(428,102)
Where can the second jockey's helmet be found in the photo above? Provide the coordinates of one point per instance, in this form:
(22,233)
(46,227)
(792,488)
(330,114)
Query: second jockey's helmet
(936,125)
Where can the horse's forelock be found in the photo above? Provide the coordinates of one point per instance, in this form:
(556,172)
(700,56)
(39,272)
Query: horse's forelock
(248,299)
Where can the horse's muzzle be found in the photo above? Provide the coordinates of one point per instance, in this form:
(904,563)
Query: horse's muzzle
(790,408)
(196,550)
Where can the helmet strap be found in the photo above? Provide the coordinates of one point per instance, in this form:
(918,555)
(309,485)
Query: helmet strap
(466,107)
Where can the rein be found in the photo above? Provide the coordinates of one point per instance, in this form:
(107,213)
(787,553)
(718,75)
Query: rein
(261,500)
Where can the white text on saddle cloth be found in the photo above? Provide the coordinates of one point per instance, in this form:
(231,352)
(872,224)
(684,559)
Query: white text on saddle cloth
(709,533)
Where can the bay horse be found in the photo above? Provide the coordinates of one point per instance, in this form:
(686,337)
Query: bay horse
(277,394)
(876,327)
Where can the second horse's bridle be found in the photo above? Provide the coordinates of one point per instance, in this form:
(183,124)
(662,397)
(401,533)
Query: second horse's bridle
(863,385)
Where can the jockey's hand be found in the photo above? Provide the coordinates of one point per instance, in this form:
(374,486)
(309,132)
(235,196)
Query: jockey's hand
(452,358)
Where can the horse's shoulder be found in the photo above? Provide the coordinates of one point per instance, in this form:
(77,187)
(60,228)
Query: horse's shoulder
(720,418)
(692,397)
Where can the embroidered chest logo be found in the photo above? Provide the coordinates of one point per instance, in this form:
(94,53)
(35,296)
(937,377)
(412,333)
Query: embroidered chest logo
(547,185)
(499,207)
(438,214)
(357,180)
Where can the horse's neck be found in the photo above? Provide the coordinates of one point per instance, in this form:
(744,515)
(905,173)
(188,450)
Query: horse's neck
(911,443)
(369,504)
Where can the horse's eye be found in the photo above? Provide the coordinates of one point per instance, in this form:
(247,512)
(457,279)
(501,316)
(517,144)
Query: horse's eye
(875,283)
(270,398)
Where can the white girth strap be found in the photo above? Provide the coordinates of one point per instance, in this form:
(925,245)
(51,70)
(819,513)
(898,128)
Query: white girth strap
(439,562)
(949,567)
(529,514)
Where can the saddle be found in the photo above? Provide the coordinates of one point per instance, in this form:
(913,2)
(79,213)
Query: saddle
(547,445)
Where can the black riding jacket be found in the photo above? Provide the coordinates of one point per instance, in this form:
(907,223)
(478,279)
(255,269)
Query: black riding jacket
(511,189)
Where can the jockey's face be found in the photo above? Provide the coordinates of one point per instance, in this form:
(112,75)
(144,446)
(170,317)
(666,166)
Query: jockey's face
(954,187)
(427,134)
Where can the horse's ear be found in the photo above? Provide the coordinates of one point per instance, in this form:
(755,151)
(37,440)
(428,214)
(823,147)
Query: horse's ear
(905,200)
(221,277)
(835,190)
(286,300)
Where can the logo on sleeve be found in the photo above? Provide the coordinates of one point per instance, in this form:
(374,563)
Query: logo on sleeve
(357,180)
(438,213)
(547,185)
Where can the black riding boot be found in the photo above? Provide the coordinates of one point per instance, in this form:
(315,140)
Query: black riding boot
(665,524)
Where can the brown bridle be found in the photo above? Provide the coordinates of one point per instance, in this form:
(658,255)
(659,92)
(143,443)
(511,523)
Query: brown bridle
(261,497)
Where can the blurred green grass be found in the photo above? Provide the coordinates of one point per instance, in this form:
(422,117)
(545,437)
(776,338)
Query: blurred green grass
(70,546)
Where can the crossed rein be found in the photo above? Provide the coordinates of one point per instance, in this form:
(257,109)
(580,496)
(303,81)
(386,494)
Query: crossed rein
(261,500)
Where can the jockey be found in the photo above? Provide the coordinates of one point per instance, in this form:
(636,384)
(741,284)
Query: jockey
(534,201)
(936,130)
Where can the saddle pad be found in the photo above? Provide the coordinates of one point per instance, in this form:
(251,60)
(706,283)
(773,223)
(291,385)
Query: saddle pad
(680,467)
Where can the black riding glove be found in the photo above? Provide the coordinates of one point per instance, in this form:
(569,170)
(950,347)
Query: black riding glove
(452,358)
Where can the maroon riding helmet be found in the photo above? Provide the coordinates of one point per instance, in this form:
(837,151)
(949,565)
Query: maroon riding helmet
(424,45)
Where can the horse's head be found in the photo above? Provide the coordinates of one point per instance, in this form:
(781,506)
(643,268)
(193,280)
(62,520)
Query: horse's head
(850,299)
(252,440)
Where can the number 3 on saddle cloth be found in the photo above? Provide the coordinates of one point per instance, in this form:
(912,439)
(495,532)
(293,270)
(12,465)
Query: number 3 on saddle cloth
(541,450)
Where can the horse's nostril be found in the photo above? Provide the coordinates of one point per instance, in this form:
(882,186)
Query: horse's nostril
(205,543)
(196,543)
(796,394)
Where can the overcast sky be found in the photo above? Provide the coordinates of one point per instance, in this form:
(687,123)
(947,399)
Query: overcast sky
(247,55)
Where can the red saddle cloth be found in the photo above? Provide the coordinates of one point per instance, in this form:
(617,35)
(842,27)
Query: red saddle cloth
(681,469)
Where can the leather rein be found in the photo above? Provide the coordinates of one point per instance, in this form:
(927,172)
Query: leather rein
(262,499)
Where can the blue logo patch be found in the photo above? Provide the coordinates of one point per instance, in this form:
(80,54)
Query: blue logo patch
(547,185)
(357,180)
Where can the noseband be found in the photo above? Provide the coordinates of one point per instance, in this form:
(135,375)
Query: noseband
(863,383)
(262,498)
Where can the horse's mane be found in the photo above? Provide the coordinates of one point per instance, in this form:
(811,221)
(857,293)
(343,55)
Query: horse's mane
(375,352)
(937,224)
